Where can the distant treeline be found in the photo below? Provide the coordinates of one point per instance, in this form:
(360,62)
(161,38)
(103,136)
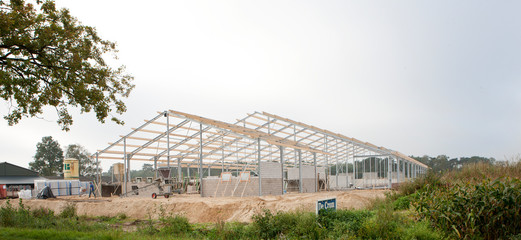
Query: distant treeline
(443,163)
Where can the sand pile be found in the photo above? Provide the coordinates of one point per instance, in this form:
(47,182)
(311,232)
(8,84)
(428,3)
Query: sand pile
(198,209)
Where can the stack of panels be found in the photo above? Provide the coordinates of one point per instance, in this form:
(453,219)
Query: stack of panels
(62,187)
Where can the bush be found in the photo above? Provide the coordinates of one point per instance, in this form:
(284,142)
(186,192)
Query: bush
(292,225)
(489,210)
(344,220)
(385,224)
(177,225)
(402,203)
(69,211)
(431,178)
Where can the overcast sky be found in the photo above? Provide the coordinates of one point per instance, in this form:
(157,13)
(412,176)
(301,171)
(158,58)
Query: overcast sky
(419,77)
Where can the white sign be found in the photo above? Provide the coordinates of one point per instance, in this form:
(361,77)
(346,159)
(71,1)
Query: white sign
(329,203)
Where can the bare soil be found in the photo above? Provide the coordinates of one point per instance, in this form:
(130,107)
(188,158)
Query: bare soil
(203,210)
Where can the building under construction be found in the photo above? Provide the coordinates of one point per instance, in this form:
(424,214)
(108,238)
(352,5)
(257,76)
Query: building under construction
(260,154)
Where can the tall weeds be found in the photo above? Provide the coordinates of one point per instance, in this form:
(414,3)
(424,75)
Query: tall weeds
(489,209)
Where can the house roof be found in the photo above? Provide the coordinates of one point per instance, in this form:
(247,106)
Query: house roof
(8,169)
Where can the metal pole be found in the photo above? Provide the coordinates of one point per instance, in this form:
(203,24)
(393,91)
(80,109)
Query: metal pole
(315,166)
(397,170)
(125,166)
(155,166)
(371,171)
(336,169)
(179,170)
(167,139)
(282,167)
(259,165)
(99,174)
(201,158)
(327,163)
(390,171)
(347,167)
(300,170)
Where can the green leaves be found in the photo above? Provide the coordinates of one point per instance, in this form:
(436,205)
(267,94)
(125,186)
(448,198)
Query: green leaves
(489,209)
(47,58)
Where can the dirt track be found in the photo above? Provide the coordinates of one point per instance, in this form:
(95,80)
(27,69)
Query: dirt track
(199,209)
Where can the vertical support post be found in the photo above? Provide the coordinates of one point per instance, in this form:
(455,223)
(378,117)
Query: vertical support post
(371,172)
(281,149)
(363,174)
(167,139)
(397,170)
(327,164)
(390,171)
(99,174)
(410,170)
(201,158)
(336,166)
(347,166)
(125,166)
(300,170)
(222,153)
(259,165)
(155,167)
(179,170)
(315,167)
(403,168)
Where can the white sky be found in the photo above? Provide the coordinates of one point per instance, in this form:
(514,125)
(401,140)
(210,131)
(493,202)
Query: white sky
(420,77)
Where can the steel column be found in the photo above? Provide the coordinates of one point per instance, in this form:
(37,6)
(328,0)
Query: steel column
(125,165)
(201,158)
(315,166)
(281,149)
(390,171)
(259,165)
(300,169)
(167,139)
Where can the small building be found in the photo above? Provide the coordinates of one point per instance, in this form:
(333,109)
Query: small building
(16,177)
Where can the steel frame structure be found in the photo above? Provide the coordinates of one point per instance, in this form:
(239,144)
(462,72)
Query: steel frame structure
(183,140)
(347,151)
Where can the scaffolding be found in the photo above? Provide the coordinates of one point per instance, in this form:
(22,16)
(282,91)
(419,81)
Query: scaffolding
(282,154)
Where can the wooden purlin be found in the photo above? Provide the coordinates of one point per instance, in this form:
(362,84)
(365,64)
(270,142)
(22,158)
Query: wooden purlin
(410,159)
(396,153)
(251,133)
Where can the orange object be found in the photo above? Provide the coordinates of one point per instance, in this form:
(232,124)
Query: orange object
(3,191)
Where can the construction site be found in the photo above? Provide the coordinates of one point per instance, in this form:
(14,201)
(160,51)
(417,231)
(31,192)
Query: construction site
(212,171)
(261,154)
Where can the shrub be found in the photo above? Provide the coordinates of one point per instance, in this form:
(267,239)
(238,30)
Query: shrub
(7,215)
(291,225)
(385,224)
(411,187)
(177,225)
(351,220)
(402,203)
(69,211)
(489,210)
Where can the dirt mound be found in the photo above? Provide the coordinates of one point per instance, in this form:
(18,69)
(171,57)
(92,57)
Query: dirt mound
(198,209)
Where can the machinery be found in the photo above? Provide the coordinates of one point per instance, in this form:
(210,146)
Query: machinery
(166,185)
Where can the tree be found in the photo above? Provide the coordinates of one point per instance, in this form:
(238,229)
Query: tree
(47,58)
(48,160)
(88,166)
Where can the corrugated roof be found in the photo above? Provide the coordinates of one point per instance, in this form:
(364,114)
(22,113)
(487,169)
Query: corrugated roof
(8,169)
